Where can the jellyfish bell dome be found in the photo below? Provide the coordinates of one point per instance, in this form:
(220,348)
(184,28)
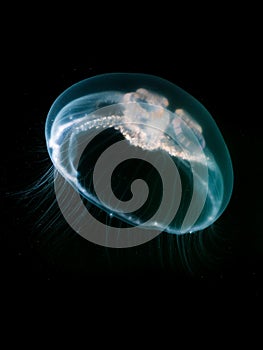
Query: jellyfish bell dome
(141,149)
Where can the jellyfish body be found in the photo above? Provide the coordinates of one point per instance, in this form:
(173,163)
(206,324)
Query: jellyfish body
(142,150)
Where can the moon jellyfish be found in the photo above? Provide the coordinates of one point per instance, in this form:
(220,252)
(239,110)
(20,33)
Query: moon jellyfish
(142,151)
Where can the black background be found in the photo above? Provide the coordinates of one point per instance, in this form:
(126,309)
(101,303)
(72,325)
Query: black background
(215,66)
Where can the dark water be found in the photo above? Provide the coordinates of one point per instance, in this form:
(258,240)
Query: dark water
(224,260)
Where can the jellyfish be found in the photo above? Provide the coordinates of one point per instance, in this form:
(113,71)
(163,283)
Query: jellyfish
(140,150)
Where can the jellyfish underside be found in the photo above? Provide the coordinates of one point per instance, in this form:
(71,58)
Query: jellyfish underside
(156,120)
